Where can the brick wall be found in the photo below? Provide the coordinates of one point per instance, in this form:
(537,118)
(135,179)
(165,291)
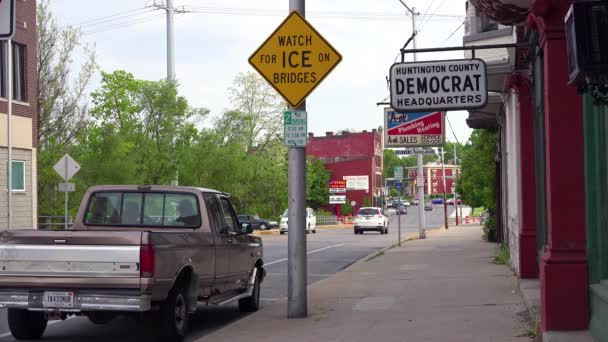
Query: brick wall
(25,34)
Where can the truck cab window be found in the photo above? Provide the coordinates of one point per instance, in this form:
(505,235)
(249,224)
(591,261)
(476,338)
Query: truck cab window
(215,213)
(231,222)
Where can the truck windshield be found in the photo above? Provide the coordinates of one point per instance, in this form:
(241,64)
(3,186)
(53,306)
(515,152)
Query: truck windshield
(160,209)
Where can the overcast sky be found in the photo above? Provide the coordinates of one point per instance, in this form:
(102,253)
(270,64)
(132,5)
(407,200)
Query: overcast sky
(214,40)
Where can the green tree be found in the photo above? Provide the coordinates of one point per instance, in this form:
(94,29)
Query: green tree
(477,182)
(317,183)
(61,99)
(257,109)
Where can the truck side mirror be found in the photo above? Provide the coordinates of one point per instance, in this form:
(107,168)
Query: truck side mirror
(246,228)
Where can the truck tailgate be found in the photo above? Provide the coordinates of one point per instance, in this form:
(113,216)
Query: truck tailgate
(89,259)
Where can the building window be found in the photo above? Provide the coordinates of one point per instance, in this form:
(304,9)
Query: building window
(18,175)
(18,71)
(488,24)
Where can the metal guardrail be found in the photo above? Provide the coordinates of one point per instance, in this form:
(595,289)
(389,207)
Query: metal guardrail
(53,222)
(328,221)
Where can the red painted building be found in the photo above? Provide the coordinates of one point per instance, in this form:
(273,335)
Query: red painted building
(356,157)
(433,178)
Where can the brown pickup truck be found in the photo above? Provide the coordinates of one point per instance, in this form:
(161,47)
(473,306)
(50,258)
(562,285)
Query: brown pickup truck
(154,251)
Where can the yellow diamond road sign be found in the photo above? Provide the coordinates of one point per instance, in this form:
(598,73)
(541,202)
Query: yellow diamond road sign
(295,59)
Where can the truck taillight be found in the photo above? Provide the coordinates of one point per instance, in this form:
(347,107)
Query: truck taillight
(146,261)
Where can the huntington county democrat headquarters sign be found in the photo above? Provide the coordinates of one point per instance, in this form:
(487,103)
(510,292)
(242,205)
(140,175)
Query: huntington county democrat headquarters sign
(438,85)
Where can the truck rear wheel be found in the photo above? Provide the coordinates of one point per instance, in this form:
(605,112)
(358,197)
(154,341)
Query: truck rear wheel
(26,325)
(252,303)
(174,316)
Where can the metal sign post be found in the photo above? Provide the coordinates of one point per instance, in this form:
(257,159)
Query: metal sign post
(294,60)
(7,30)
(9,95)
(66,168)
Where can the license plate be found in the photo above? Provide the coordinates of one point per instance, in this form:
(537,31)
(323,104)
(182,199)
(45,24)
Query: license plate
(58,300)
(368,218)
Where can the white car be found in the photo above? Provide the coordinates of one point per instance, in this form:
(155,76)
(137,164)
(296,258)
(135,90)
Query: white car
(371,218)
(311,222)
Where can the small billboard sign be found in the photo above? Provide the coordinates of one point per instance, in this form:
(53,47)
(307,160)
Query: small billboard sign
(423,129)
(339,199)
(439,85)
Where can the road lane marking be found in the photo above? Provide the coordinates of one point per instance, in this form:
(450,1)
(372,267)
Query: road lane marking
(315,251)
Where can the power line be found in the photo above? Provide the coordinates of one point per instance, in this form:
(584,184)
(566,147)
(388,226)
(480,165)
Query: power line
(111,21)
(122,13)
(451,129)
(124,24)
(429,18)
(317,14)
(450,36)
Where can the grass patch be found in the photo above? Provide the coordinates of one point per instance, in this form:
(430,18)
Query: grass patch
(477,211)
(502,255)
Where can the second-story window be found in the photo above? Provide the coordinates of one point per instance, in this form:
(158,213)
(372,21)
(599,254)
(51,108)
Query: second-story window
(488,24)
(18,71)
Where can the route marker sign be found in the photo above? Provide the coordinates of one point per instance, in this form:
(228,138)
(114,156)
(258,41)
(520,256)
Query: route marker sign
(295,59)
(296,129)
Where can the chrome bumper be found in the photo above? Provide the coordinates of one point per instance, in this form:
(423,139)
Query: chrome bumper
(82,302)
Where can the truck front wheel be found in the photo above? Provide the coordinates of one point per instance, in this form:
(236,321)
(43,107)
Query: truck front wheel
(252,303)
(26,325)
(174,316)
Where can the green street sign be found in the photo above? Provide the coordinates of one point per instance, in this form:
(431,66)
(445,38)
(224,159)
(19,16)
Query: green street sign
(296,129)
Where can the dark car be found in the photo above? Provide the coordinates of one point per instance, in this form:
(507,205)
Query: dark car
(258,223)
(415,201)
(428,206)
(437,201)
(402,209)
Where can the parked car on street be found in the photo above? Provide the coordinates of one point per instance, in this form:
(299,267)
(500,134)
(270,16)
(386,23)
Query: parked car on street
(258,223)
(151,251)
(401,210)
(437,201)
(428,206)
(311,222)
(451,201)
(416,202)
(371,218)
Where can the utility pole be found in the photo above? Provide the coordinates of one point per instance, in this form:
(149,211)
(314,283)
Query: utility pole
(171,11)
(445,204)
(170,43)
(455,180)
(297,296)
(421,223)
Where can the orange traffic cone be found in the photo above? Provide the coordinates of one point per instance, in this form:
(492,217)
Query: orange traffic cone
(467,219)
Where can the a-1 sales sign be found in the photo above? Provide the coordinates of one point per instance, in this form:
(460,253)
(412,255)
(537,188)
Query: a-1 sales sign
(439,85)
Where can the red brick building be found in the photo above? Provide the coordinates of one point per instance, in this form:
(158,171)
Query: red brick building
(433,178)
(24,120)
(356,157)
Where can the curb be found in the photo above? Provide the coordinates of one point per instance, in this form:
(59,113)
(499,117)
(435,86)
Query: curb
(266,232)
(337,226)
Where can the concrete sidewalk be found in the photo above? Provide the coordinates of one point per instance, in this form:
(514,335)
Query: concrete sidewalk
(443,288)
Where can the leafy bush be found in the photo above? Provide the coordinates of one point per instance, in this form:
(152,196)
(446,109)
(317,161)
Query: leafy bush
(503,254)
(489,229)
(324,213)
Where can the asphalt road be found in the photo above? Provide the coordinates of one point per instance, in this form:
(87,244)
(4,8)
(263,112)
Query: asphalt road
(329,251)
